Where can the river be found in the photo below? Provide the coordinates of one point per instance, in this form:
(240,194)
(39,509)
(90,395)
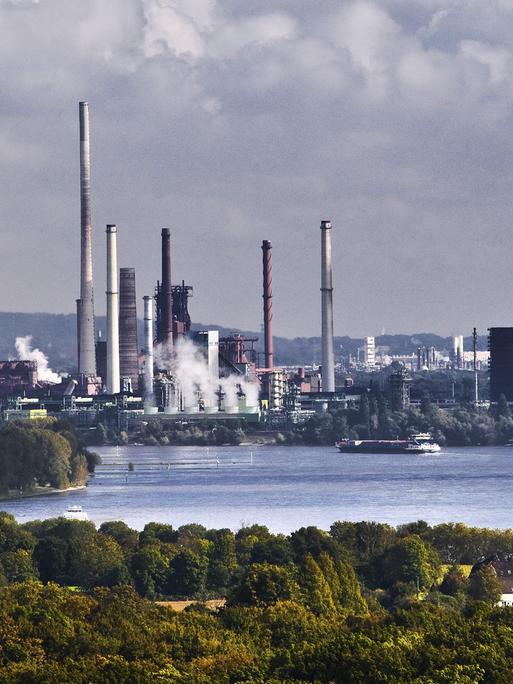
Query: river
(287,487)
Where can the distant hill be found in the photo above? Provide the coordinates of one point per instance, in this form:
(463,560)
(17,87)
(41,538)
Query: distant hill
(55,335)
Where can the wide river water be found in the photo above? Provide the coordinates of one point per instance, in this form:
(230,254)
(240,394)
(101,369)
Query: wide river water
(287,487)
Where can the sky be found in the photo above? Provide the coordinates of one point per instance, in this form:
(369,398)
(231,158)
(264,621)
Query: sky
(232,122)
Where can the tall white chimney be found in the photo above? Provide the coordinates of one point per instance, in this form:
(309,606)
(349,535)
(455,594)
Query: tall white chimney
(328,362)
(113,383)
(148,350)
(85,305)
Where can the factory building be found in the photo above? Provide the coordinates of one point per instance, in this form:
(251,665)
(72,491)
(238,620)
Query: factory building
(500,345)
(17,377)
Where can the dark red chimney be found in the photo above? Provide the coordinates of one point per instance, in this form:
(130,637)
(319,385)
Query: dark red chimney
(166,292)
(268,303)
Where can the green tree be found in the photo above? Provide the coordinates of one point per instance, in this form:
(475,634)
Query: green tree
(276,550)
(315,588)
(149,570)
(264,584)
(17,566)
(364,416)
(454,582)
(425,404)
(222,558)
(503,410)
(350,596)
(410,560)
(125,536)
(311,540)
(484,585)
(187,573)
(154,531)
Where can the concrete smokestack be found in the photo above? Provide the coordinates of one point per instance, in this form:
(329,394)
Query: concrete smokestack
(268,302)
(112,383)
(128,327)
(85,309)
(328,362)
(167,292)
(148,350)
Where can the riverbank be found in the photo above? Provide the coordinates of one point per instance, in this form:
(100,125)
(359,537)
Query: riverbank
(38,491)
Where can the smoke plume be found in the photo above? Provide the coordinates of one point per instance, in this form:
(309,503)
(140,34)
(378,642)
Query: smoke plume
(26,353)
(190,369)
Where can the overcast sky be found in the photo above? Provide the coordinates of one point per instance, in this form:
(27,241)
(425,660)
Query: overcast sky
(236,121)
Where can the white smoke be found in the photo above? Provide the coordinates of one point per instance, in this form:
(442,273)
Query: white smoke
(26,353)
(189,367)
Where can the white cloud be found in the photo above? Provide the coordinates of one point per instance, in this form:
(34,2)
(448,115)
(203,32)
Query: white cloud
(236,121)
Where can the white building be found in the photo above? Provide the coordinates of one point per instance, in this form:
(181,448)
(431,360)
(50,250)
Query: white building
(369,352)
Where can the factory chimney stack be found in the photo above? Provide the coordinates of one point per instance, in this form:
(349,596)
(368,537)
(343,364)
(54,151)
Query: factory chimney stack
(328,363)
(476,377)
(128,327)
(166,332)
(148,348)
(268,302)
(85,305)
(112,383)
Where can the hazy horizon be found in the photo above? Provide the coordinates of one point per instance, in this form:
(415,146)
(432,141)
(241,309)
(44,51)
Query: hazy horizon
(231,123)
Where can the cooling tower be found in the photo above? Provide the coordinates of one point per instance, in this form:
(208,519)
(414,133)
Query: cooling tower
(128,327)
(112,383)
(328,362)
(85,305)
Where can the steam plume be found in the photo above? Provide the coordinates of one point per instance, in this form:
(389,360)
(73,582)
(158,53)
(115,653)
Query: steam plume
(190,369)
(26,353)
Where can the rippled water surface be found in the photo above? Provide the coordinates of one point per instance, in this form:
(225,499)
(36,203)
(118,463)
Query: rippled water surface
(287,487)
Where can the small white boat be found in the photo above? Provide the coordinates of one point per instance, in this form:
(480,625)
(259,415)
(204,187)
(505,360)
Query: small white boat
(76,513)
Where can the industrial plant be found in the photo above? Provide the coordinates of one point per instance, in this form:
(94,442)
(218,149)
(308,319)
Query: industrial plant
(174,373)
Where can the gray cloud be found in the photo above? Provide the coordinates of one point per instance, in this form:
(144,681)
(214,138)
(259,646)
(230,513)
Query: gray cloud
(231,122)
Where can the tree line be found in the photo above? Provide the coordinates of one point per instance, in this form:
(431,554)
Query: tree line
(465,425)
(197,563)
(41,453)
(362,603)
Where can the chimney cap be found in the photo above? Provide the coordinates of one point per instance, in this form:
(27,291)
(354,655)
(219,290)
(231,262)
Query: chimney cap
(325,224)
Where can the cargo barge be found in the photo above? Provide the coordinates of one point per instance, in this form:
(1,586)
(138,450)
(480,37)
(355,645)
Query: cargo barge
(421,443)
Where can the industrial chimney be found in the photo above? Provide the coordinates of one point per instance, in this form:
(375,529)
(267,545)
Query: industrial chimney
(128,365)
(148,352)
(328,362)
(166,294)
(112,383)
(85,305)
(268,302)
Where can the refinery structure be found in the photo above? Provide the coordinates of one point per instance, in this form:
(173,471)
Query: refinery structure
(174,372)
